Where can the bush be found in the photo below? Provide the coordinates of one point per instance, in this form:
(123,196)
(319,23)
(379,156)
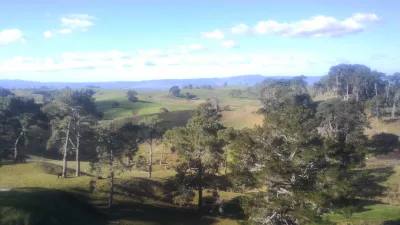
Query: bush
(115,104)
(164,110)
(184,196)
(227,108)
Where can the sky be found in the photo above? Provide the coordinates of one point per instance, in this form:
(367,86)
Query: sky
(115,40)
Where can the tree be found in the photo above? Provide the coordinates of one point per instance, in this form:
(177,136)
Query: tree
(19,114)
(111,144)
(4,92)
(235,93)
(198,145)
(174,91)
(285,156)
(190,86)
(305,159)
(68,113)
(396,98)
(152,131)
(227,136)
(132,95)
(225,84)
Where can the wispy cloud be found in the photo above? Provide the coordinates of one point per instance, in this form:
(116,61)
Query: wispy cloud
(48,34)
(216,34)
(71,23)
(316,26)
(192,48)
(229,44)
(78,22)
(11,36)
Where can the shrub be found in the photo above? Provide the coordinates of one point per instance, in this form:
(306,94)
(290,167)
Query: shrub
(164,110)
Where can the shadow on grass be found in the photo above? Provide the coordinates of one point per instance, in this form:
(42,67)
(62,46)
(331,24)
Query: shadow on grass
(391,120)
(39,206)
(366,189)
(54,169)
(383,143)
(391,222)
(139,192)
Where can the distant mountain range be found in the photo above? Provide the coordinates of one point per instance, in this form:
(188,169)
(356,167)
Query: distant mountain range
(249,80)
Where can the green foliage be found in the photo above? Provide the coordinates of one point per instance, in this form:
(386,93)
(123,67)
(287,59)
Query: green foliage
(235,93)
(303,158)
(4,92)
(197,144)
(132,95)
(174,91)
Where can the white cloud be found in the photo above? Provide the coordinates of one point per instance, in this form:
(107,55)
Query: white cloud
(192,48)
(317,26)
(48,34)
(229,44)
(97,66)
(216,34)
(65,31)
(76,22)
(240,29)
(365,17)
(11,36)
(154,52)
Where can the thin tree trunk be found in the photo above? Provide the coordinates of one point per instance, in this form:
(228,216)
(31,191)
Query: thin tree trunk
(200,185)
(64,172)
(394,109)
(16,146)
(357,96)
(347,92)
(111,194)
(387,91)
(161,159)
(78,162)
(376,90)
(226,161)
(150,159)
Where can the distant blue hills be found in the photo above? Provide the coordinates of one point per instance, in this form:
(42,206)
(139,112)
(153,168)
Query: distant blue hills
(244,80)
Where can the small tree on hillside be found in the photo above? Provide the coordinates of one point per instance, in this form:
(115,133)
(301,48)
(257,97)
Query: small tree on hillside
(197,145)
(174,91)
(151,132)
(235,93)
(132,96)
(112,143)
(19,114)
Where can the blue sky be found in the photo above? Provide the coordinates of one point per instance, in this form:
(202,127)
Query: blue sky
(140,40)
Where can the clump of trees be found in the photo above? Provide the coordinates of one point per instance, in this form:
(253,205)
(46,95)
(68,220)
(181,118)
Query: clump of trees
(132,96)
(361,84)
(235,93)
(175,91)
(189,86)
(304,155)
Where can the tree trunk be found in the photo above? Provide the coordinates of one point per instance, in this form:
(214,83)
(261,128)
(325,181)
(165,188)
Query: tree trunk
(200,185)
(226,161)
(111,194)
(16,146)
(357,96)
(64,172)
(394,109)
(376,90)
(150,159)
(347,92)
(78,162)
(387,91)
(161,158)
